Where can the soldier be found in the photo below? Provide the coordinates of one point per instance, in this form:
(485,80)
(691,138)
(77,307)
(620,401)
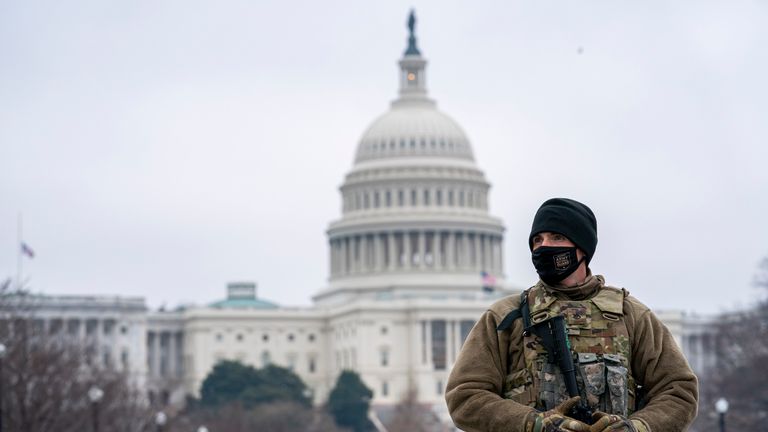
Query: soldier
(636,377)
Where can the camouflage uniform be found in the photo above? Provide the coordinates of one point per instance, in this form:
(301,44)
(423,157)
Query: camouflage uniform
(599,337)
(501,377)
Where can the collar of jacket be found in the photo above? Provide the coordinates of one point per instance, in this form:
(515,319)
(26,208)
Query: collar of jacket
(583,291)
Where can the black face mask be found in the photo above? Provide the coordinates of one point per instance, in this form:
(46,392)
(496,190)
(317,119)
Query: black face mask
(553,264)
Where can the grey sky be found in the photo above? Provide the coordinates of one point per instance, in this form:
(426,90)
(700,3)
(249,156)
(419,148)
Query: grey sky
(163,148)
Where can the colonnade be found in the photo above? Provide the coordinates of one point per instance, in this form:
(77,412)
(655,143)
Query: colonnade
(164,354)
(441,341)
(415,250)
(364,199)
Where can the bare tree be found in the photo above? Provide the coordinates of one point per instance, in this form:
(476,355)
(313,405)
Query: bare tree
(45,378)
(741,352)
(411,416)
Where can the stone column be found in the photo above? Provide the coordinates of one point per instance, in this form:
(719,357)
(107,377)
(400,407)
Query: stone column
(422,329)
(172,370)
(156,349)
(500,267)
(428,341)
(354,245)
(407,249)
(363,262)
(467,245)
(332,257)
(436,255)
(422,250)
(392,250)
(337,253)
(450,251)
(456,339)
(487,254)
(478,252)
(378,253)
(449,343)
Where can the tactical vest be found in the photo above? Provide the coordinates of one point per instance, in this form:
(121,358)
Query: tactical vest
(601,350)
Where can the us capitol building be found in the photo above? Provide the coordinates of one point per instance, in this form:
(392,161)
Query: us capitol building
(404,290)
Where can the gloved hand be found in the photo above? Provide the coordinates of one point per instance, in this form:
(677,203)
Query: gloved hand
(615,423)
(556,420)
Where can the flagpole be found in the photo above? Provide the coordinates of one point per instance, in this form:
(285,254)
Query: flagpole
(19,260)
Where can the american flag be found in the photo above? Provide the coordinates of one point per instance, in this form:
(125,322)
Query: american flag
(489,282)
(26,250)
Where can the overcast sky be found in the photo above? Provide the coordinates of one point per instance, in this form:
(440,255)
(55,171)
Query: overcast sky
(163,148)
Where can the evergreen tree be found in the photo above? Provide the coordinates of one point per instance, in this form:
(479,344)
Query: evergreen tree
(232,381)
(227,382)
(349,402)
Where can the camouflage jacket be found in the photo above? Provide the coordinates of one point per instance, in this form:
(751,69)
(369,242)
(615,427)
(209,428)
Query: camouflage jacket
(493,384)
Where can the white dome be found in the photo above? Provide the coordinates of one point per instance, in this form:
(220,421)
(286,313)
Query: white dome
(413,128)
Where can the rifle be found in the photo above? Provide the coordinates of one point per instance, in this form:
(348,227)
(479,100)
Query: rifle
(554,338)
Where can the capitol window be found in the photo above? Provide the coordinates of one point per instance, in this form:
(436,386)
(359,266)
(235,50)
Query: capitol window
(124,359)
(414,197)
(384,357)
(400,198)
(312,364)
(290,337)
(265,338)
(450,198)
(384,388)
(291,360)
(239,337)
(311,337)
(219,337)
(388,198)
(439,197)
(426,197)
(465,326)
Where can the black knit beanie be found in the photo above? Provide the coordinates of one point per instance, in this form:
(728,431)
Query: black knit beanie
(569,218)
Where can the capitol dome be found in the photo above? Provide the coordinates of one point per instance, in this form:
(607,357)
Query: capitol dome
(415,215)
(413,128)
